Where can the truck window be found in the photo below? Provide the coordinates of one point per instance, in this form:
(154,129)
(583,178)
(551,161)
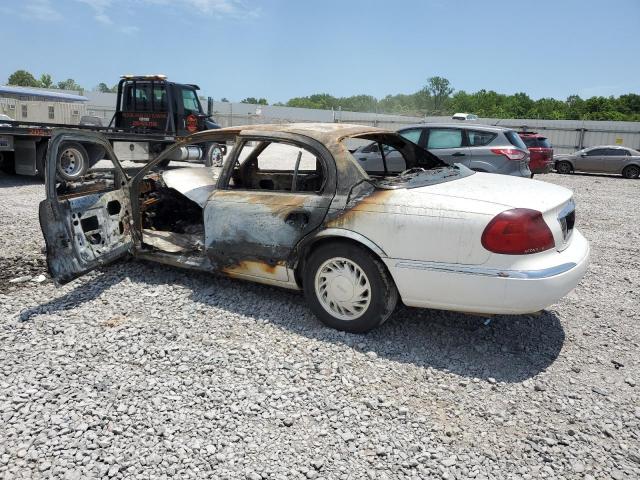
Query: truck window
(190,101)
(145,97)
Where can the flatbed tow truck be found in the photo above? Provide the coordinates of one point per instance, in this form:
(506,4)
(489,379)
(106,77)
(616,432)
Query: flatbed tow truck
(151,114)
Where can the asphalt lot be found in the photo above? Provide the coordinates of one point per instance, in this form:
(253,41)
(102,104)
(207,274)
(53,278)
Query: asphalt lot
(144,371)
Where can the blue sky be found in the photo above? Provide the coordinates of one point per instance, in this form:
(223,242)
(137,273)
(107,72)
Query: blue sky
(279,49)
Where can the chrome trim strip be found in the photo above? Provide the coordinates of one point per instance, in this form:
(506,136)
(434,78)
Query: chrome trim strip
(486,272)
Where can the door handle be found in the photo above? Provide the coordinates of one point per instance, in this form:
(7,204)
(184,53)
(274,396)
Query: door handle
(297,218)
(458,154)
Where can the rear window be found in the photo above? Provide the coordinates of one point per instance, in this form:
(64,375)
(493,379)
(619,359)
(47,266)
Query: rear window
(478,138)
(539,142)
(514,139)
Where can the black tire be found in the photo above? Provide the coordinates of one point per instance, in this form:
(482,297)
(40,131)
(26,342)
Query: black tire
(382,292)
(72,161)
(632,171)
(564,167)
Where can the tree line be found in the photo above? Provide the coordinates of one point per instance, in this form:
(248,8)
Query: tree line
(436,97)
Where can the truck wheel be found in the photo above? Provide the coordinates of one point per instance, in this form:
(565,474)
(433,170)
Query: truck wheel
(214,155)
(348,288)
(72,161)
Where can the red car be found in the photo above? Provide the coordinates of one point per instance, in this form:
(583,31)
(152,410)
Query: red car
(540,151)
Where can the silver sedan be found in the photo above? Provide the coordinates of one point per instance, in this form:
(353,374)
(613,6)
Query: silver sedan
(603,159)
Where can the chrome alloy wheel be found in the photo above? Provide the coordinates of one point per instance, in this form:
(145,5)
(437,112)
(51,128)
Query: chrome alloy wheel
(71,162)
(342,288)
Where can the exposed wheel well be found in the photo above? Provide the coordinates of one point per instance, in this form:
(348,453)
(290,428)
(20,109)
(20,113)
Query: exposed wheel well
(308,250)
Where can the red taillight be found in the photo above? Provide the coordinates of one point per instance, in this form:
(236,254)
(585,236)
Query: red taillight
(510,153)
(517,232)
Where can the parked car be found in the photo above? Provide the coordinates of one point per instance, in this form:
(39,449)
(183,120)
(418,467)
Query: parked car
(464,116)
(540,152)
(91,121)
(479,147)
(602,159)
(291,207)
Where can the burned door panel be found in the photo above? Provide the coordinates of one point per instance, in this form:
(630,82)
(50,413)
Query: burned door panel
(86,222)
(254,233)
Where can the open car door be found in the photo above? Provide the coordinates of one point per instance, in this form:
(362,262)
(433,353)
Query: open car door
(86,222)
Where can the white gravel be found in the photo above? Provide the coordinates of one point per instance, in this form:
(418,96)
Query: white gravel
(144,371)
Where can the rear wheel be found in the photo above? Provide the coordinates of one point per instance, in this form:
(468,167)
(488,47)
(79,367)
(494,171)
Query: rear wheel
(632,171)
(214,155)
(348,288)
(72,161)
(564,167)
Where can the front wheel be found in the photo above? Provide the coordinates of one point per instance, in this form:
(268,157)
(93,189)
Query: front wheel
(348,288)
(72,161)
(563,167)
(632,171)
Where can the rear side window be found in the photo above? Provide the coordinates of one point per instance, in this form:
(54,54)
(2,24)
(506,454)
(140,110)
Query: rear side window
(444,138)
(479,139)
(618,152)
(514,139)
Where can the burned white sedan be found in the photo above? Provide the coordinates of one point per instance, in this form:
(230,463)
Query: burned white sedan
(290,206)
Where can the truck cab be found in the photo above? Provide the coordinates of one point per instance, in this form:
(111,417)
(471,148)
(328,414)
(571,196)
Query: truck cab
(151,104)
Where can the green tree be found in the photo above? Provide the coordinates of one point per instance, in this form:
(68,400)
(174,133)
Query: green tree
(224,99)
(45,80)
(255,101)
(103,87)
(69,84)
(22,78)
(439,88)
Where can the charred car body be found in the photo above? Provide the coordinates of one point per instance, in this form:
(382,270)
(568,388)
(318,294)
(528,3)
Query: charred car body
(291,207)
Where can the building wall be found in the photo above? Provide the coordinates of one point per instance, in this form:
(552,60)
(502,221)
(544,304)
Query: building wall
(68,113)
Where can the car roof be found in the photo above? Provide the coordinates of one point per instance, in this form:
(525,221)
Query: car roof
(609,146)
(475,126)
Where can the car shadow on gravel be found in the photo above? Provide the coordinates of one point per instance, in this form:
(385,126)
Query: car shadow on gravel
(505,348)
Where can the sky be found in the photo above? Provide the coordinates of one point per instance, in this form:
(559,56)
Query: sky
(279,49)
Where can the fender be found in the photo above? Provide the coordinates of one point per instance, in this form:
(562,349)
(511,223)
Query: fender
(344,233)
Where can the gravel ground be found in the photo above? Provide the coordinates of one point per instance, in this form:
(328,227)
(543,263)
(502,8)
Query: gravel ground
(144,371)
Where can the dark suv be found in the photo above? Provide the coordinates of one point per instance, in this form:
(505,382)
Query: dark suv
(540,152)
